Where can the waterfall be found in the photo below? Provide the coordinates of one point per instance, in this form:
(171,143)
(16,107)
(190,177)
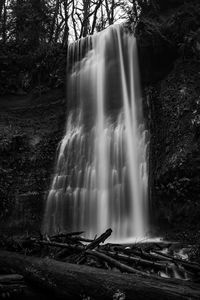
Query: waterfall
(101,173)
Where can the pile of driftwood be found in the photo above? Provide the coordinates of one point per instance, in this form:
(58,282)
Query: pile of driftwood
(62,264)
(153,259)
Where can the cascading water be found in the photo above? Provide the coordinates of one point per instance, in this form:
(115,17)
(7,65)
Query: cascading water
(101,175)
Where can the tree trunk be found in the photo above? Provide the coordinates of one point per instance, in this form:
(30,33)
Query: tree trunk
(72,281)
(36,24)
(4,23)
(86,11)
(95,16)
(2,2)
(53,24)
(66,28)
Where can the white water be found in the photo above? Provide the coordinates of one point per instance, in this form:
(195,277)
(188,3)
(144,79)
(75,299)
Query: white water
(101,175)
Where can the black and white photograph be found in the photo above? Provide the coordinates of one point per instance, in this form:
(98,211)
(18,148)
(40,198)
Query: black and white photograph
(100,149)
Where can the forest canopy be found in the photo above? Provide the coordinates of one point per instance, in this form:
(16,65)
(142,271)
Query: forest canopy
(34,35)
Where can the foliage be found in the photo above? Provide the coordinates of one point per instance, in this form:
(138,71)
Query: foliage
(29,23)
(34,35)
(22,71)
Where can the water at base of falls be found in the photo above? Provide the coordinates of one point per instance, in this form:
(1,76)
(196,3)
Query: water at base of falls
(101,174)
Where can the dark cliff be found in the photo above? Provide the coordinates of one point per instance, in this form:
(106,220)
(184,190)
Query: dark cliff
(169,47)
(30,132)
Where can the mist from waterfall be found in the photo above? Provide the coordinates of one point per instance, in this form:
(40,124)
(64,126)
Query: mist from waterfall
(101,173)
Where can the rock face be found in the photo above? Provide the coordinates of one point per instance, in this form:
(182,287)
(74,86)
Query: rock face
(169,42)
(29,135)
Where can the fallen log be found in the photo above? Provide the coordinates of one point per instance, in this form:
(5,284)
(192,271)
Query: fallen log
(70,281)
(139,261)
(94,244)
(146,255)
(61,245)
(100,239)
(114,262)
(71,237)
(79,239)
(186,264)
(10,278)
